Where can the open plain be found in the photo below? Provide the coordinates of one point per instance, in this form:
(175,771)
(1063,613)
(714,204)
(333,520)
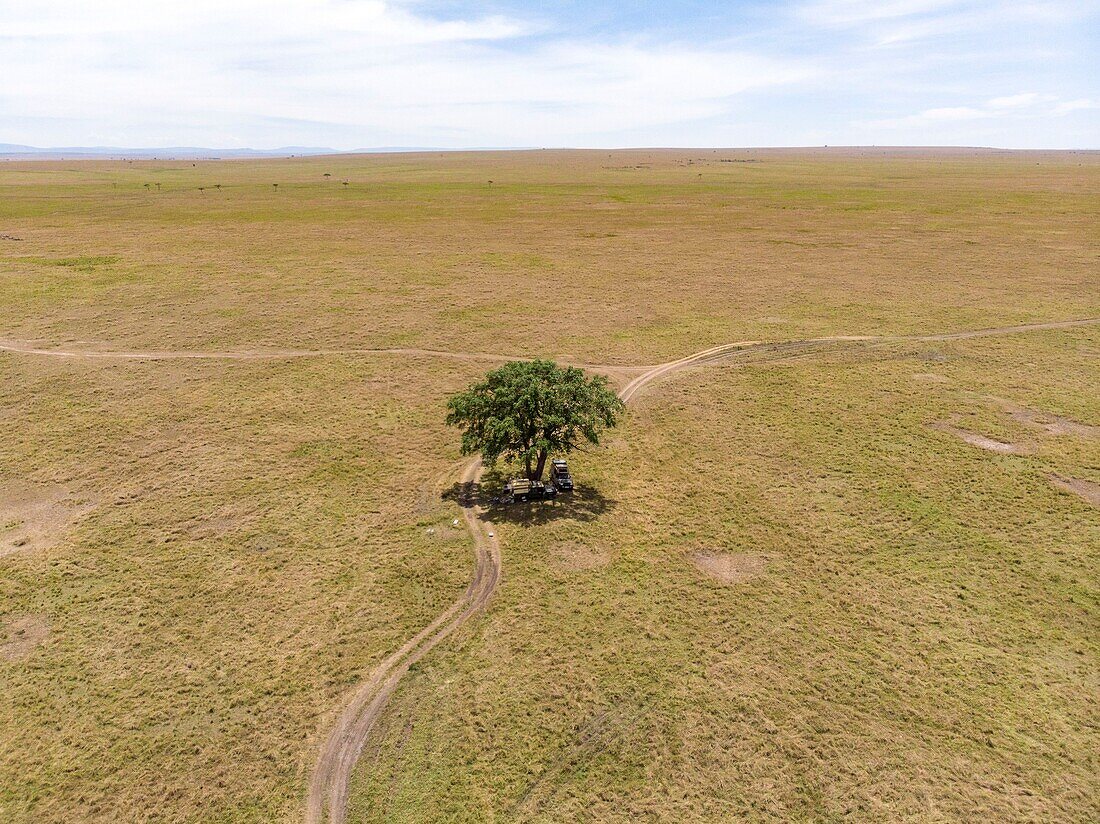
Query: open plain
(844,568)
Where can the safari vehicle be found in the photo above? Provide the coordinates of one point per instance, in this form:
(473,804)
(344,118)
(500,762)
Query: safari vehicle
(559,475)
(521,489)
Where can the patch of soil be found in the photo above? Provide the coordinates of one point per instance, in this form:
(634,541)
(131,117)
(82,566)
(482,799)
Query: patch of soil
(1053,424)
(35,517)
(729,567)
(229,518)
(21,635)
(980,441)
(1086,489)
(574,557)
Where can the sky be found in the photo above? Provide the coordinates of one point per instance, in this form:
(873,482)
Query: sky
(353,74)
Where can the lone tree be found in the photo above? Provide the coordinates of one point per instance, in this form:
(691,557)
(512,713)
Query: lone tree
(525,410)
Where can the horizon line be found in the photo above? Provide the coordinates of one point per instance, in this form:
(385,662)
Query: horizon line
(22,152)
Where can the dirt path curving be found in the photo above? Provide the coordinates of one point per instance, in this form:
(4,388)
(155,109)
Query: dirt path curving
(1007,330)
(328,787)
(26,348)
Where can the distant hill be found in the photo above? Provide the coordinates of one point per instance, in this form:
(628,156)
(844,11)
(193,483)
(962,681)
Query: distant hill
(16,151)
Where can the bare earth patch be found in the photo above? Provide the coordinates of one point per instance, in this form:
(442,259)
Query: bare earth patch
(35,517)
(728,567)
(574,557)
(980,441)
(1053,424)
(21,635)
(1086,489)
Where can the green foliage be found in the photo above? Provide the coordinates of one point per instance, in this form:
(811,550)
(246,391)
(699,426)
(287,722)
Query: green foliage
(526,410)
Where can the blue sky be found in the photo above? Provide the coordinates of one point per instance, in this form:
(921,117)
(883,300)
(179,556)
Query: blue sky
(449,73)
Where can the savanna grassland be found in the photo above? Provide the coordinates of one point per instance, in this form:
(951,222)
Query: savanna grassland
(786,589)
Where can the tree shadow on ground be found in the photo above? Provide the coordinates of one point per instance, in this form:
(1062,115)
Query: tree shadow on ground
(582,504)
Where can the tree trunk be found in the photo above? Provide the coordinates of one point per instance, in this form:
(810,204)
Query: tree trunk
(527,468)
(540,466)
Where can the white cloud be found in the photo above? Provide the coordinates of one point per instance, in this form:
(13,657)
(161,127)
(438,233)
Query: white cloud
(368,70)
(1026,105)
(943,114)
(859,12)
(353,73)
(1079,105)
(952,113)
(1014,101)
(897,22)
(245,20)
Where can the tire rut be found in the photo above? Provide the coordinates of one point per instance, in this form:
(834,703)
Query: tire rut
(26,348)
(327,794)
(328,788)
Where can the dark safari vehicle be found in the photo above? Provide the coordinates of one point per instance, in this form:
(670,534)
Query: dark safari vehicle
(559,475)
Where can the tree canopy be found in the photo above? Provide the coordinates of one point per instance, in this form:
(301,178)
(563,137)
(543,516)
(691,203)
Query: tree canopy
(526,410)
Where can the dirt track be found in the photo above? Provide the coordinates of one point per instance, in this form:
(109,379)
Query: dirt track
(241,354)
(27,348)
(328,787)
